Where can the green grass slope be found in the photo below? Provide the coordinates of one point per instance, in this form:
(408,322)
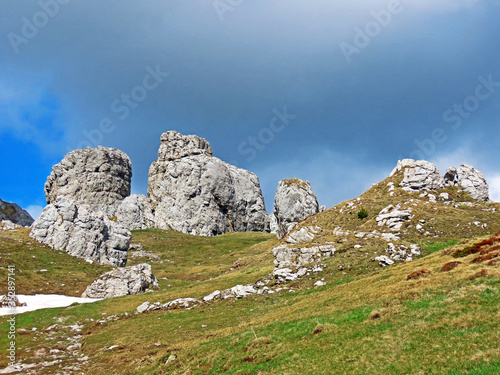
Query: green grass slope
(437,314)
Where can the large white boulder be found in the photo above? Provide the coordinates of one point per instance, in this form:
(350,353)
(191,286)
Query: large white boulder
(193,192)
(294,201)
(99,177)
(122,281)
(82,232)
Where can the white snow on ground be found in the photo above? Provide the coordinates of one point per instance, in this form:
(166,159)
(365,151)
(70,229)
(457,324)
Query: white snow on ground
(43,301)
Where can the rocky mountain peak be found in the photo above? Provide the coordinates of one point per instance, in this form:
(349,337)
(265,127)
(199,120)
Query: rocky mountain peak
(15,214)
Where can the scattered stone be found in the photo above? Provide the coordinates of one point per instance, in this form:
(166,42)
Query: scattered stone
(294,201)
(11,302)
(183,303)
(193,192)
(99,177)
(299,256)
(319,283)
(384,260)
(122,281)
(393,217)
(238,291)
(143,307)
(212,296)
(305,234)
(6,225)
(82,232)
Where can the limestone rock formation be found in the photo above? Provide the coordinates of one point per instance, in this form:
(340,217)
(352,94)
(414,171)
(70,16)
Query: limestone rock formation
(99,177)
(393,217)
(135,213)
(299,256)
(122,281)
(193,192)
(15,214)
(419,175)
(82,232)
(469,179)
(293,202)
(273,223)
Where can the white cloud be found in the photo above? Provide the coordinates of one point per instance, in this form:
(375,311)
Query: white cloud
(35,211)
(494,184)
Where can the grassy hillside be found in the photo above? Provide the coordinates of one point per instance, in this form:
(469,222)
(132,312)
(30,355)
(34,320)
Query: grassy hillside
(437,314)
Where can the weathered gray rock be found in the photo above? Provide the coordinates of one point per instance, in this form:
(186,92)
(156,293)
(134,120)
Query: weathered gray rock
(294,201)
(273,223)
(6,225)
(469,179)
(419,175)
(82,232)
(305,234)
(238,291)
(193,192)
(286,257)
(181,303)
(135,213)
(99,177)
(393,217)
(15,214)
(122,281)
(473,182)
(384,260)
(450,177)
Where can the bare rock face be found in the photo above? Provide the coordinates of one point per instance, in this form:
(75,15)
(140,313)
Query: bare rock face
(470,180)
(135,213)
(419,175)
(293,202)
(193,192)
(82,232)
(15,214)
(99,177)
(122,281)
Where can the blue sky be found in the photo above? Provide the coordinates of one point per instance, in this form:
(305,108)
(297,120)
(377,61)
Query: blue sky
(327,91)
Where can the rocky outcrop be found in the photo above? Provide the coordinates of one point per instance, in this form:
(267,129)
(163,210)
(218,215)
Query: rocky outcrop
(469,179)
(99,177)
(393,217)
(135,213)
(82,232)
(293,202)
(419,175)
(193,192)
(15,214)
(286,256)
(122,281)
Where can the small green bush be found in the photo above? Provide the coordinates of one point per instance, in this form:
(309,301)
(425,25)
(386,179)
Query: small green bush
(363,213)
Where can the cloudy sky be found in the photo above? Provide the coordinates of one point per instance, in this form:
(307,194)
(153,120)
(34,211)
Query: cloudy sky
(333,92)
